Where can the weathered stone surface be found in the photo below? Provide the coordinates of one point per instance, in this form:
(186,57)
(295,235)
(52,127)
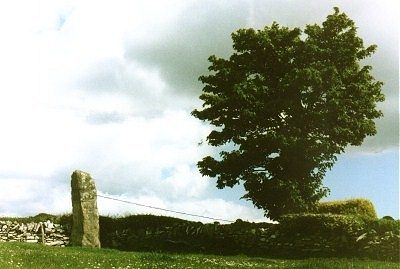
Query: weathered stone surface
(55,243)
(85,219)
(19,232)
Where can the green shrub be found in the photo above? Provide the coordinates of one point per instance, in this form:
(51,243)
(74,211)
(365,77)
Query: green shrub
(324,224)
(138,222)
(381,226)
(360,207)
(381,240)
(350,235)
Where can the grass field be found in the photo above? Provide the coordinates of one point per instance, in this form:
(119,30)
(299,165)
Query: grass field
(33,256)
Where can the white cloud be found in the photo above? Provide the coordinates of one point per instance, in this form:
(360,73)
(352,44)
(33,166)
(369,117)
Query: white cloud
(31,196)
(205,210)
(185,182)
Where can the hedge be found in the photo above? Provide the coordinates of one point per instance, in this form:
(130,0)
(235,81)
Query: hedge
(326,224)
(381,240)
(360,207)
(343,235)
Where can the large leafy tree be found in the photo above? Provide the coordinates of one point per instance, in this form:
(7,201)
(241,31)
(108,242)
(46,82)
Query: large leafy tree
(285,104)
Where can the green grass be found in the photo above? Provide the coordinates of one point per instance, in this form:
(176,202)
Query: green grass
(33,256)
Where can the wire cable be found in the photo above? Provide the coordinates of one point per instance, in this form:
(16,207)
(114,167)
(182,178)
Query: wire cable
(163,209)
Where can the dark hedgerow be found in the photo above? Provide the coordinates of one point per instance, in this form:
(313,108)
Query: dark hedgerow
(325,224)
(381,240)
(346,235)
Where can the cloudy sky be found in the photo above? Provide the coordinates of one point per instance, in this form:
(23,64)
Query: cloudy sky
(108,86)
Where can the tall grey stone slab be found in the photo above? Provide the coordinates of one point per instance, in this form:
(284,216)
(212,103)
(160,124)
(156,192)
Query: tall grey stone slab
(85,217)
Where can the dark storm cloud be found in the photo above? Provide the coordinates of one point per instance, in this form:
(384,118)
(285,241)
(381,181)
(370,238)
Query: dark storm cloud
(144,91)
(181,52)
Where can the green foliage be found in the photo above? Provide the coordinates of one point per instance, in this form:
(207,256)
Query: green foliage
(286,103)
(361,207)
(388,217)
(354,235)
(324,224)
(381,226)
(381,239)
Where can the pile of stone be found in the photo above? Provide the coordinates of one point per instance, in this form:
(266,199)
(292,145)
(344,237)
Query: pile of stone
(47,233)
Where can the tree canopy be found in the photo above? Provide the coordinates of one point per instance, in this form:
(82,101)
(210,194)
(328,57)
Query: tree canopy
(285,104)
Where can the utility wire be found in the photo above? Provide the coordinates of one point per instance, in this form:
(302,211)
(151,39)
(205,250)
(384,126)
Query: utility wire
(163,209)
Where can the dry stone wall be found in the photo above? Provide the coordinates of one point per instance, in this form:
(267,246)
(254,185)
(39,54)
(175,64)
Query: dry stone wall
(47,233)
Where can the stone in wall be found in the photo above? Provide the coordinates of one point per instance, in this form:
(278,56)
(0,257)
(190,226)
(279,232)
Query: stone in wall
(85,217)
(14,231)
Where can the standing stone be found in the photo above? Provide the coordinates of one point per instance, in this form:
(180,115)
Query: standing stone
(85,217)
